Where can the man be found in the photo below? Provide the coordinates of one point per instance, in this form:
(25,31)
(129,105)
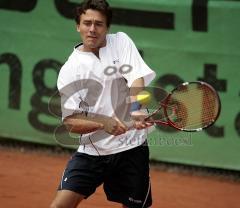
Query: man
(92,89)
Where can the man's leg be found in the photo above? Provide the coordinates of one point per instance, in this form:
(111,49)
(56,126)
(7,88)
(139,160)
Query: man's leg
(128,182)
(66,199)
(83,174)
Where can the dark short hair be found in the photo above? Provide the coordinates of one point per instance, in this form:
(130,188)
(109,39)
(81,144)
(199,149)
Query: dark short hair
(99,5)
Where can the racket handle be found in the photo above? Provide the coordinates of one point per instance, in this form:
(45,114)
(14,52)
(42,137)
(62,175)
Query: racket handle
(130,125)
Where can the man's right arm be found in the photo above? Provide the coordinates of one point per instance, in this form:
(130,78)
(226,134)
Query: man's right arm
(82,124)
(78,123)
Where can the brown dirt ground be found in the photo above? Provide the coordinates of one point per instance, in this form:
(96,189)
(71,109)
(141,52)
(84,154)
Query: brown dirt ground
(29,179)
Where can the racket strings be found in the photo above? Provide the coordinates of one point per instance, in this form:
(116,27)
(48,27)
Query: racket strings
(210,109)
(196,106)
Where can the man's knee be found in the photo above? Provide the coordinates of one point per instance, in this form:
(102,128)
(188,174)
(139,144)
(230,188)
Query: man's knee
(56,205)
(66,199)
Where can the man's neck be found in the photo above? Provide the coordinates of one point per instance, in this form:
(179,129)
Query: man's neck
(93,50)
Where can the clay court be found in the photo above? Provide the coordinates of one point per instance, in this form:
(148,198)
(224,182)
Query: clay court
(29,179)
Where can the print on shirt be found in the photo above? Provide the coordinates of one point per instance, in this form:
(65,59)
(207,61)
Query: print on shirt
(83,106)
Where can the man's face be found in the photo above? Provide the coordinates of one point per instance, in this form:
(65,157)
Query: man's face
(93,29)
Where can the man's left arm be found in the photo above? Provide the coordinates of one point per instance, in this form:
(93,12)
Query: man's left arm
(138,115)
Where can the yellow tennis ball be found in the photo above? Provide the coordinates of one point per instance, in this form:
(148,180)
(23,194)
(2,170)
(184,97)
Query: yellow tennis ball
(144,97)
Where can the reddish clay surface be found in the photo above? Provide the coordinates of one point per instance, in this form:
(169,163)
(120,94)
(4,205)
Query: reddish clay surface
(29,180)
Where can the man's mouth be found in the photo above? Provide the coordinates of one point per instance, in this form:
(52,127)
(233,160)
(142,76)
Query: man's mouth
(92,37)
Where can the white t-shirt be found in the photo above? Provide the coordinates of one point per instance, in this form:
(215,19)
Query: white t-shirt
(99,86)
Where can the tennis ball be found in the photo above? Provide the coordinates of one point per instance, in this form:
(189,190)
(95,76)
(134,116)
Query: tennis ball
(144,97)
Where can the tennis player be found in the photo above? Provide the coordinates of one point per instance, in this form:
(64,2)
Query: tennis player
(108,153)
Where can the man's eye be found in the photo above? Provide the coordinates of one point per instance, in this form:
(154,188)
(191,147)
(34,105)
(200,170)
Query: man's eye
(99,24)
(87,23)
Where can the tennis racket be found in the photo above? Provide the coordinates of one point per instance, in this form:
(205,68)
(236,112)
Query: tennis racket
(191,106)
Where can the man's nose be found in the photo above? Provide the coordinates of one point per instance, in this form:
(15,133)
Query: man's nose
(92,28)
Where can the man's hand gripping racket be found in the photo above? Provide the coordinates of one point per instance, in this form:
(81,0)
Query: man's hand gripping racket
(191,106)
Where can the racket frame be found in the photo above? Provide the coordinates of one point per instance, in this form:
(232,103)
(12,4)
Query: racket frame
(164,105)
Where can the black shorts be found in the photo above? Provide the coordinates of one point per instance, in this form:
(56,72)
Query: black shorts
(124,175)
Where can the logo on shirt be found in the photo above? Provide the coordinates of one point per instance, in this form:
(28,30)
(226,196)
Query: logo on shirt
(115,61)
(83,106)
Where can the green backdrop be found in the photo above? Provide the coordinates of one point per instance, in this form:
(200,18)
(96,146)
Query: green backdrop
(181,40)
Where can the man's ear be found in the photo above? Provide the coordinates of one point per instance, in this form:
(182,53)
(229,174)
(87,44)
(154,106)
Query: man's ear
(78,27)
